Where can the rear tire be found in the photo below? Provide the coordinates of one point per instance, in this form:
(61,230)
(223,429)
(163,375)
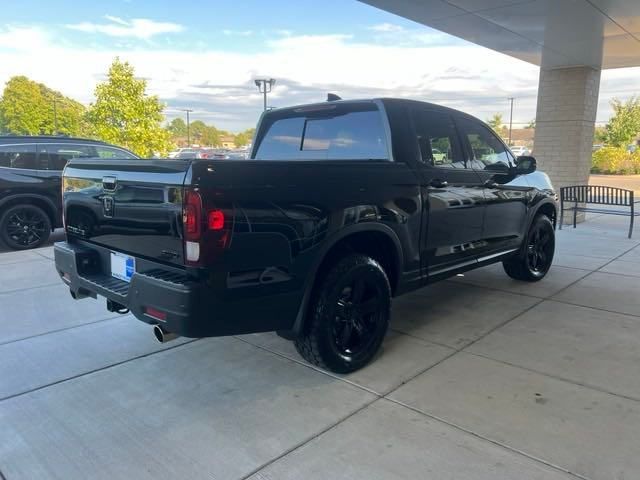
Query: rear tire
(535,259)
(349,316)
(24,226)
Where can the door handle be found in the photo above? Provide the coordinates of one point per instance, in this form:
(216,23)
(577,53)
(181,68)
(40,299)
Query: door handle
(437,183)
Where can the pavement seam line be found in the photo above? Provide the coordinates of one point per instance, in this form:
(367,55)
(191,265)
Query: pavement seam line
(71,327)
(44,256)
(555,377)
(494,442)
(96,370)
(302,443)
(386,395)
(335,424)
(9,292)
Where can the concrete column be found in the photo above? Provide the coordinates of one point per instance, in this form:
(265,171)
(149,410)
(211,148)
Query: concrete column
(565,122)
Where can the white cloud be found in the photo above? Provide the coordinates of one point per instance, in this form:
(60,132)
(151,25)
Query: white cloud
(116,20)
(218,84)
(240,33)
(23,38)
(386,28)
(142,28)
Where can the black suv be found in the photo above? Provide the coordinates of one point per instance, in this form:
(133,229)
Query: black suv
(30,183)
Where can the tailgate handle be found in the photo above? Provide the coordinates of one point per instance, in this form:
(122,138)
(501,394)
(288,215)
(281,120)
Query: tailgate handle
(109,184)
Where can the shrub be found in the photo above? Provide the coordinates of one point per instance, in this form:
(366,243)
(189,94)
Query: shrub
(616,161)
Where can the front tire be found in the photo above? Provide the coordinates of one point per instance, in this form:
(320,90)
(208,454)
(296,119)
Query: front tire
(536,256)
(349,316)
(24,226)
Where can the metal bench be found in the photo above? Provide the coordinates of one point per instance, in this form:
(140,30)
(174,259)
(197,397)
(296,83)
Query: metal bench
(580,196)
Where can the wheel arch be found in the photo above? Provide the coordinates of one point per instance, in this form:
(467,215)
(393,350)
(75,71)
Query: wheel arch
(548,208)
(40,201)
(376,240)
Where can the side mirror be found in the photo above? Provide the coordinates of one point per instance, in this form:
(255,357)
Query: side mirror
(525,165)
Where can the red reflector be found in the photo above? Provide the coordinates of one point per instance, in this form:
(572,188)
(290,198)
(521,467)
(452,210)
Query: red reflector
(157,314)
(216,220)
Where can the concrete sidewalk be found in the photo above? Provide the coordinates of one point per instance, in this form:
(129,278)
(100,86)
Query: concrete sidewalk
(481,377)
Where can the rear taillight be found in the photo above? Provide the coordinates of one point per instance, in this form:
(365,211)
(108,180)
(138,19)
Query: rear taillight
(216,220)
(192,215)
(204,229)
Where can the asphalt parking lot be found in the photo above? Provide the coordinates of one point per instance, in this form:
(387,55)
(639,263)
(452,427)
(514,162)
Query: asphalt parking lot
(481,377)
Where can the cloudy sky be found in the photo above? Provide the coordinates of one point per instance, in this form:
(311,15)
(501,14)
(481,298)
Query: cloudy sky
(204,55)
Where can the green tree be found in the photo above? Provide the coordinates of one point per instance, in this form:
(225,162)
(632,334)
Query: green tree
(62,115)
(210,136)
(495,122)
(531,124)
(600,135)
(624,126)
(196,131)
(22,108)
(243,138)
(124,115)
(30,108)
(177,127)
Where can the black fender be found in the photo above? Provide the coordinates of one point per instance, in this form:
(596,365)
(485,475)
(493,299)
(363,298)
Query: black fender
(54,211)
(326,248)
(533,212)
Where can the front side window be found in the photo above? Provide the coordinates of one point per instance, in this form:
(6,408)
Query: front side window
(485,150)
(58,154)
(110,152)
(349,132)
(437,139)
(19,156)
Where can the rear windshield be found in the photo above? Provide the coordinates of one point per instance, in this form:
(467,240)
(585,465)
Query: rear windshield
(331,132)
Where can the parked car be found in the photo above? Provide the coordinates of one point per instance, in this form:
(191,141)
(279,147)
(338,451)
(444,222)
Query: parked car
(214,153)
(438,156)
(340,207)
(519,150)
(30,183)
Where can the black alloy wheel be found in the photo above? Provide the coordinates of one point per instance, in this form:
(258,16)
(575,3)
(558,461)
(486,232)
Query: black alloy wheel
(24,226)
(349,316)
(540,248)
(533,263)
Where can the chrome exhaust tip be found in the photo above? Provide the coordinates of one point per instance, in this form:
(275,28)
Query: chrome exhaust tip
(162,335)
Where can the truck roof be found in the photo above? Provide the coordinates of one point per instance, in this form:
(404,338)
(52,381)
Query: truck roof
(384,100)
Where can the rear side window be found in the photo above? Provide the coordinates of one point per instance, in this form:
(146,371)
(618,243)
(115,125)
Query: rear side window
(336,132)
(110,152)
(437,139)
(58,154)
(19,156)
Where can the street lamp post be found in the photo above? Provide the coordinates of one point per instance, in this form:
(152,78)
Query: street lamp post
(264,86)
(188,110)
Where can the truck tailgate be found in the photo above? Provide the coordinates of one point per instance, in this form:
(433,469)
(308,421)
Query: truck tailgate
(129,206)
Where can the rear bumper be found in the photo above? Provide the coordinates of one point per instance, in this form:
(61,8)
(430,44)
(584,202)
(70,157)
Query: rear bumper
(193,307)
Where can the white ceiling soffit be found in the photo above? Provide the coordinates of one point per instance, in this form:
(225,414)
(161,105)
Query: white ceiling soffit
(550,33)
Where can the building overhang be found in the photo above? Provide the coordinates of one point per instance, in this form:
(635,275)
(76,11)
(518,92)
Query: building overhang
(551,33)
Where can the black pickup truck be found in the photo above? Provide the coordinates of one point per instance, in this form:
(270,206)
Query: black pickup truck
(341,206)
